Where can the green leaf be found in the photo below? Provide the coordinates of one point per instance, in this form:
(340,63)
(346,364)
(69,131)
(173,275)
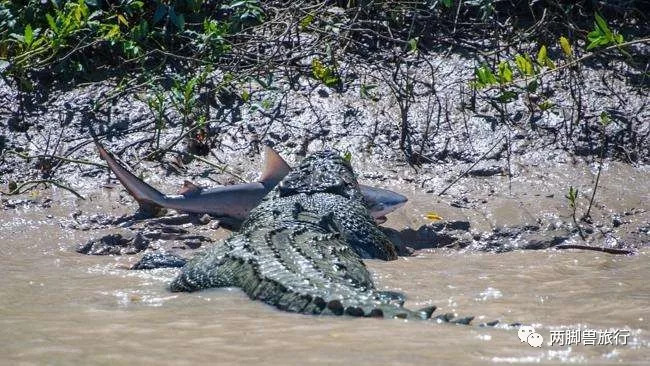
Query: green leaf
(413,44)
(448,3)
(545,105)
(605,118)
(543,59)
(618,38)
(51,23)
(29,35)
(505,72)
(331,81)
(507,96)
(324,73)
(306,21)
(525,65)
(572,196)
(267,104)
(122,19)
(113,32)
(542,56)
(485,76)
(566,47)
(602,25)
(595,43)
(532,86)
(245,96)
(347,157)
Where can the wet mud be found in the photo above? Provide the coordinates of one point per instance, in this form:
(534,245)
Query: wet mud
(77,274)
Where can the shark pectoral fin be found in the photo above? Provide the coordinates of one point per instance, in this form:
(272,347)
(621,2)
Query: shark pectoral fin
(275,168)
(189,189)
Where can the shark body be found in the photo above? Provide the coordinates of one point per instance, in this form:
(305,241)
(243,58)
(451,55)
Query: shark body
(232,204)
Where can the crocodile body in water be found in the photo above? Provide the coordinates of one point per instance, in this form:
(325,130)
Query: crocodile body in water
(300,250)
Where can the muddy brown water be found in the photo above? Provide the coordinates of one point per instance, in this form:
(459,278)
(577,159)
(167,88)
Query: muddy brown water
(60,307)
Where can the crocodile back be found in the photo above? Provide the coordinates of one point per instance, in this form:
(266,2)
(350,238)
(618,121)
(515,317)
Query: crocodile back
(300,249)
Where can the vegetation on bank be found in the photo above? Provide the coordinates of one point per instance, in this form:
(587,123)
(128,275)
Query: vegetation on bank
(182,57)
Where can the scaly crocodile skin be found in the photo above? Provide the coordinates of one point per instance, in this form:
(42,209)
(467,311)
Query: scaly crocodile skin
(300,250)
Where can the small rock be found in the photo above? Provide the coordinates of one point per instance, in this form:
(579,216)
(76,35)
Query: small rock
(115,244)
(205,219)
(153,260)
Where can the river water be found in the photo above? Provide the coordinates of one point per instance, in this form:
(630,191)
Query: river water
(60,307)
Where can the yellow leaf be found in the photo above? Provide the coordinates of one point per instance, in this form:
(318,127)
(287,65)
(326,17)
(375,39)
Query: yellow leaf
(566,47)
(433,216)
(122,19)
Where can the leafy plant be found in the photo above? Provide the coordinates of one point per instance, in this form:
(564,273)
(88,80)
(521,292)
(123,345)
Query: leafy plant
(602,35)
(365,92)
(245,96)
(413,44)
(484,77)
(604,119)
(306,21)
(524,65)
(505,72)
(244,12)
(572,197)
(326,74)
(184,95)
(347,157)
(157,105)
(545,105)
(543,60)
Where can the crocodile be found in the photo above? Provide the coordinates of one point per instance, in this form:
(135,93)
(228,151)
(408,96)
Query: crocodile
(301,249)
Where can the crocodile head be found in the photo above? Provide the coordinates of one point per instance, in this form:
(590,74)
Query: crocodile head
(322,172)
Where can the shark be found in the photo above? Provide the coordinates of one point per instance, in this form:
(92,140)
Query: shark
(232,204)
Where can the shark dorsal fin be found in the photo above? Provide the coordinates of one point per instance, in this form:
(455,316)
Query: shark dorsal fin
(189,189)
(275,168)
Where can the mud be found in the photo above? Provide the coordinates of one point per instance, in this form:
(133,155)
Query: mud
(515,172)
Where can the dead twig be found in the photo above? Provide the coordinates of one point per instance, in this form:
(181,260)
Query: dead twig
(471,167)
(35,183)
(69,160)
(597,249)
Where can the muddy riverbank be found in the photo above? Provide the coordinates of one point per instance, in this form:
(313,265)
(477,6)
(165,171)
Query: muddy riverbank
(491,175)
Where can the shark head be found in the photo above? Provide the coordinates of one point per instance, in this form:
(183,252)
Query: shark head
(381,202)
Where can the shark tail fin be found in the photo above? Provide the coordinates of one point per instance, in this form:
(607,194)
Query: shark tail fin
(149,199)
(275,168)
